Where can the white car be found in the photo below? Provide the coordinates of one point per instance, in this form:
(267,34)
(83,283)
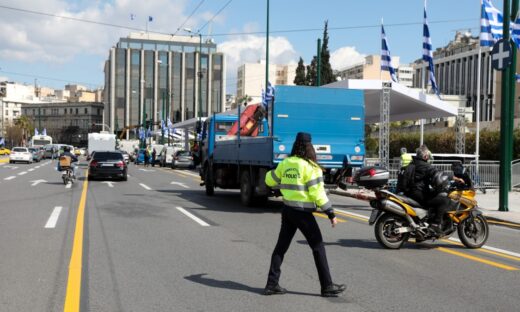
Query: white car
(20,154)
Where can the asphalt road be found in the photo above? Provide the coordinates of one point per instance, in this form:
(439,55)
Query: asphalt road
(157,243)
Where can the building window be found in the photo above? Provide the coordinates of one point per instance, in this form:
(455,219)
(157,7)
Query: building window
(99,111)
(77,111)
(65,111)
(86,111)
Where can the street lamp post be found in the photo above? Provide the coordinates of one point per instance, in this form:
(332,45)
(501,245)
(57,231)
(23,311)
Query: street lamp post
(199,74)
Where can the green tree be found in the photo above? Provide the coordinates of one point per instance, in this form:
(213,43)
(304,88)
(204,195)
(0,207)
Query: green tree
(300,79)
(25,125)
(327,75)
(310,78)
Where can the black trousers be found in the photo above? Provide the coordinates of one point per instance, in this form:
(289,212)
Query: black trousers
(438,206)
(306,223)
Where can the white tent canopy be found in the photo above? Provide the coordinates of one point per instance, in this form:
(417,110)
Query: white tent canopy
(405,103)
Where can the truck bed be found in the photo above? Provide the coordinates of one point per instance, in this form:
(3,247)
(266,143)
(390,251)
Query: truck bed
(245,151)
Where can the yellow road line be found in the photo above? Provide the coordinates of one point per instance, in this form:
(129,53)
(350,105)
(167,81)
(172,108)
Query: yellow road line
(485,250)
(72,299)
(322,215)
(488,262)
(503,223)
(350,216)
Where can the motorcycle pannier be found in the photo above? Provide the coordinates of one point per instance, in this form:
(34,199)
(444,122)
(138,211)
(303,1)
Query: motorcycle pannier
(371,177)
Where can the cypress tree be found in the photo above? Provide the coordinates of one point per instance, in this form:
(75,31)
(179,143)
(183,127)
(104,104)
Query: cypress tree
(300,79)
(327,75)
(310,78)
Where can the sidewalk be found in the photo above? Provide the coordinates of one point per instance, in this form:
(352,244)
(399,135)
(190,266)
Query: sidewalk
(489,204)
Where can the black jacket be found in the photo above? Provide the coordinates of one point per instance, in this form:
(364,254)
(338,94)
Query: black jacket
(424,172)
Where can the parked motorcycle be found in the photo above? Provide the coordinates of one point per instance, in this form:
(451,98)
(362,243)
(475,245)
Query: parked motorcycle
(396,218)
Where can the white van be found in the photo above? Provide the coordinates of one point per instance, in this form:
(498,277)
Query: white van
(165,158)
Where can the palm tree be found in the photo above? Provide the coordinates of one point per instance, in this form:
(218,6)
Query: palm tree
(25,124)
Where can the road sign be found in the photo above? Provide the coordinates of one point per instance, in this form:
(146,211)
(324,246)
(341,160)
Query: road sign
(501,54)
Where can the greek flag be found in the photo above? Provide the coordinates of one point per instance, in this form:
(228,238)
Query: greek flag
(2,141)
(169,123)
(386,58)
(491,24)
(264,101)
(427,52)
(36,132)
(150,18)
(163,125)
(149,132)
(515,31)
(269,94)
(517,77)
(132,16)
(44,132)
(141,134)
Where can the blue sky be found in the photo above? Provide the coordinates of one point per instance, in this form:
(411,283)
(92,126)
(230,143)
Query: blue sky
(74,52)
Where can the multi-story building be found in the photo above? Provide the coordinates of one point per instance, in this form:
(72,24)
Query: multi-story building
(370,68)
(66,122)
(251,78)
(12,96)
(405,75)
(147,74)
(456,68)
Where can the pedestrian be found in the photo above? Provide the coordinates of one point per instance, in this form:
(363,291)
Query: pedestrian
(406,158)
(300,180)
(146,157)
(154,156)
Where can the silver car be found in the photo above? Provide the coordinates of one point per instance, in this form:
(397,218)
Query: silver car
(183,159)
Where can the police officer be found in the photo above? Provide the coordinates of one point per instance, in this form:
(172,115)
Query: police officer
(300,181)
(406,158)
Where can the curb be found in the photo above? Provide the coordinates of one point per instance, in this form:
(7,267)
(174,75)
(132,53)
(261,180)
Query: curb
(502,222)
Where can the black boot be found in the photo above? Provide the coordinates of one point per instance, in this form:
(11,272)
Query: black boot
(333,290)
(274,290)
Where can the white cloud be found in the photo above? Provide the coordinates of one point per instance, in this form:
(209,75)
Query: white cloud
(34,38)
(344,57)
(251,49)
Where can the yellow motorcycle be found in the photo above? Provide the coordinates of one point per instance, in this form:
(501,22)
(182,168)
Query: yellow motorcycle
(396,218)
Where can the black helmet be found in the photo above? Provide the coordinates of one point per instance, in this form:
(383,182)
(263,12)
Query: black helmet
(66,149)
(440,181)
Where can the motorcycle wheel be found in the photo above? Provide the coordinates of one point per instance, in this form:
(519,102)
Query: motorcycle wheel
(473,232)
(64,178)
(383,231)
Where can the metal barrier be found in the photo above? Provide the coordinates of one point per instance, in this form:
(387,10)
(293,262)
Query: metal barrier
(515,173)
(486,177)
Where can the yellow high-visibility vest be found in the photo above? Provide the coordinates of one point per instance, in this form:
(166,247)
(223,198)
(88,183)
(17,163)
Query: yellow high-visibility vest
(301,184)
(406,159)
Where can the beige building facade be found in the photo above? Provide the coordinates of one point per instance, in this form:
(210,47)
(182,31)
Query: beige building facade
(251,78)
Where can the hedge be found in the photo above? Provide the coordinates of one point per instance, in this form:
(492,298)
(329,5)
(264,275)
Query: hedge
(445,143)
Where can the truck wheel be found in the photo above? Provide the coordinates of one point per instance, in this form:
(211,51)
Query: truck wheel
(208,181)
(246,189)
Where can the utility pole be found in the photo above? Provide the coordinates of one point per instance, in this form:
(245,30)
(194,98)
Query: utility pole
(318,65)
(163,121)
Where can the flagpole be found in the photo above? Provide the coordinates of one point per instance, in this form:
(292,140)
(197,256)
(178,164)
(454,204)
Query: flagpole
(477,130)
(423,77)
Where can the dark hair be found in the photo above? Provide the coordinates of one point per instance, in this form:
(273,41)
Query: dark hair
(304,150)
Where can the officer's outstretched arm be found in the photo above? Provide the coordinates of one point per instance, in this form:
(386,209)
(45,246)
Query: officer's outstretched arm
(274,177)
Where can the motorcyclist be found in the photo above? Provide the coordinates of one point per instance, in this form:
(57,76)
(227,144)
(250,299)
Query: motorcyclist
(73,160)
(421,192)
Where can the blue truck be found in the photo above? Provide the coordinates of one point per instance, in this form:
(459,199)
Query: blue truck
(334,117)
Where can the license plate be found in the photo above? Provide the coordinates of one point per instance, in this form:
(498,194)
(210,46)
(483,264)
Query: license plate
(373,216)
(107,165)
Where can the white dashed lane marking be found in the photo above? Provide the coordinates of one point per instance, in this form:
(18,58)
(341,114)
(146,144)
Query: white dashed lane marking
(53,219)
(191,216)
(146,187)
(9,178)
